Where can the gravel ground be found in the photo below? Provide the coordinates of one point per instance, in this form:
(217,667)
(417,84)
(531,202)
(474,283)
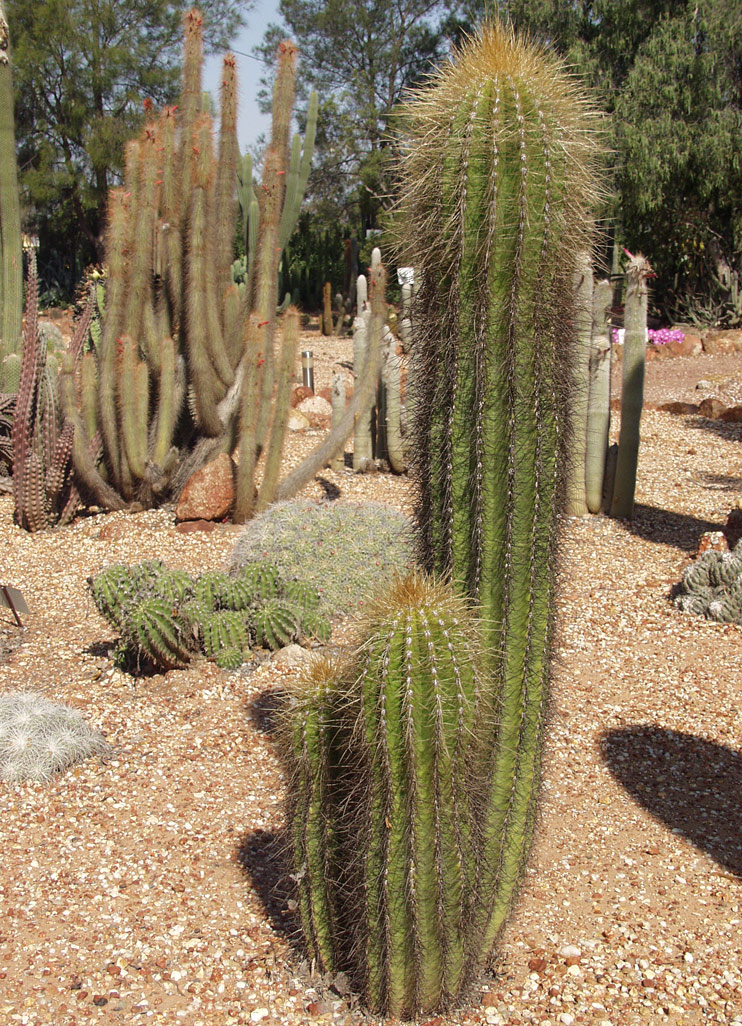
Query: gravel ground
(146,888)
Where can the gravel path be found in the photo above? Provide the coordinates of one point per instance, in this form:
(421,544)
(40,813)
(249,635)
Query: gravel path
(147,888)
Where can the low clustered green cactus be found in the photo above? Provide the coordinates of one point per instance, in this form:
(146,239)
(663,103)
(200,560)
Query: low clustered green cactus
(39,738)
(166,617)
(712,586)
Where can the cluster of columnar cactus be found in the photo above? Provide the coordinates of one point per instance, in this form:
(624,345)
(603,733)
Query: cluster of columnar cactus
(712,586)
(166,618)
(427,750)
(187,364)
(41,436)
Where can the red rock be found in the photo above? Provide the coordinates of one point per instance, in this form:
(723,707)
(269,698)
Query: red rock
(719,343)
(300,393)
(733,528)
(192,526)
(209,493)
(712,541)
(113,531)
(711,408)
(537,965)
(661,352)
(690,345)
(732,415)
(678,408)
(325,393)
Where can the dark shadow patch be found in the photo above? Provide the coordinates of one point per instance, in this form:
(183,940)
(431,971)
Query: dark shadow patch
(265,711)
(262,856)
(666,527)
(721,482)
(331,490)
(729,430)
(690,784)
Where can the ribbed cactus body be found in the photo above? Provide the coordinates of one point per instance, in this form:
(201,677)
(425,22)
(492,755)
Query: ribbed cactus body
(154,630)
(498,192)
(383,803)
(276,623)
(712,586)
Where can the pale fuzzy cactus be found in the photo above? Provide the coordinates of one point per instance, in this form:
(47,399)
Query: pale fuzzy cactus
(338,409)
(576,504)
(39,738)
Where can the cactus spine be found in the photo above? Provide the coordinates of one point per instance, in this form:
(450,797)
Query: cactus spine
(11,259)
(632,385)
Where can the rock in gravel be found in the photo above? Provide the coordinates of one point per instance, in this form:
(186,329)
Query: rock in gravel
(300,393)
(291,655)
(209,493)
(732,415)
(704,386)
(297,421)
(712,541)
(570,951)
(711,408)
(733,528)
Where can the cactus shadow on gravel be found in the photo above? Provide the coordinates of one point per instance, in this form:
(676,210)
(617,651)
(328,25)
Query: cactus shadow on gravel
(668,527)
(690,784)
(262,857)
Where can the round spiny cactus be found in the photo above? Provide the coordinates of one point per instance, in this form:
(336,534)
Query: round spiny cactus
(212,589)
(276,623)
(226,628)
(152,629)
(712,586)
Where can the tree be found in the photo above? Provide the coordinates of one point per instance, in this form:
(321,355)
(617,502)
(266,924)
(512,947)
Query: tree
(360,58)
(669,73)
(82,71)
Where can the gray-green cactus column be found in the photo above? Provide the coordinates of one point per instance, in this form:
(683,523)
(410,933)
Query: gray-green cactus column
(499,188)
(11,258)
(638,270)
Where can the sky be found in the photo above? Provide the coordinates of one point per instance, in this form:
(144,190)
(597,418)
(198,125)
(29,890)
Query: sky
(250,122)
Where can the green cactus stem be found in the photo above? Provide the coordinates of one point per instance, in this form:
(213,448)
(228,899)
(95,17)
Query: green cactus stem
(382,747)
(11,258)
(632,385)
(497,204)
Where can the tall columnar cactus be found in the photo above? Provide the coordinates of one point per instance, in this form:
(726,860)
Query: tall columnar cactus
(632,384)
(499,188)
(384,798)
(599,397)
(11,260)
(42,437)
(576,504)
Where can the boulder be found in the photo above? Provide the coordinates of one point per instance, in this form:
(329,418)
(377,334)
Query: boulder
(297,421)
(733,528)
(209,492)
(689,345)
(678,408)
(711,408)
(721,343)
(712,541)
(732,415)
(300,393)
(192,526)
(317,411)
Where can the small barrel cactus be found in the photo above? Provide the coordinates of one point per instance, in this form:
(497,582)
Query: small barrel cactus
(712,586)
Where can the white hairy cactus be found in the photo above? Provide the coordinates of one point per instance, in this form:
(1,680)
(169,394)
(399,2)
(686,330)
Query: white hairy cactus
(39,738)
